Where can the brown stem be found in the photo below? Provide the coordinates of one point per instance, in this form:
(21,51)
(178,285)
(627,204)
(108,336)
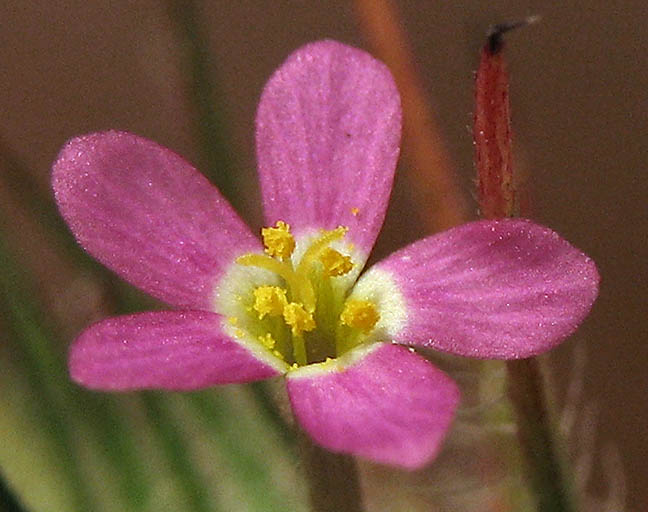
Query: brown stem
(430,168)
(493,137)
(333,480)
(499,197)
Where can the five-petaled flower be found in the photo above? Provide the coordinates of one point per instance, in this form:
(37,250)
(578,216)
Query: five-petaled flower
(328,135)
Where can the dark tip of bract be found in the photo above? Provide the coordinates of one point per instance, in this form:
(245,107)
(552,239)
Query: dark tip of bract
(495,32)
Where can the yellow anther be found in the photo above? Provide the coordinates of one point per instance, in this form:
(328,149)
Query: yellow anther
(298,318)
(355,211)
(335,263)
(269,300)
(317,246)
(267,341)
(360,314)
(278,241)
(232,320)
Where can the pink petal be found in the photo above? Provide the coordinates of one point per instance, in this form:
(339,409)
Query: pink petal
(328,133)
(148,215)
(502,289)
(173,350)
(386,404)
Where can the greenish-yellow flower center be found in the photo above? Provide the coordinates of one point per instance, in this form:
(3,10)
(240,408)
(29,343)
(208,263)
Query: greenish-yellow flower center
(306,317)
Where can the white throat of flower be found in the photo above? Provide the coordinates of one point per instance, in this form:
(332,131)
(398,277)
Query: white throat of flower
(294,299)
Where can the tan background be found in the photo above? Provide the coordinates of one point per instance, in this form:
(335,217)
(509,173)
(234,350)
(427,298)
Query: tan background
(580,81)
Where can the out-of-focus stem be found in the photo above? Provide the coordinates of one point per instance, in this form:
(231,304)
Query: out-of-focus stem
(332,478)
(254,475)
(430,168)
(40,348)
(210,122)
(550,488)
(171,442)
(41,364)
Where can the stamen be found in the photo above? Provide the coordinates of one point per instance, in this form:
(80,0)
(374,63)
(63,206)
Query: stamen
(360,314)
(335,263)
(269,300)
(299,351)
(300,288)
(278,241)
(317,247)
(282,269)
(293,302)
(298,318)
(304,289)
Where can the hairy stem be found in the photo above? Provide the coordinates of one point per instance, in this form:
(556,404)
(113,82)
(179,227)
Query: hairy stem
(500,196)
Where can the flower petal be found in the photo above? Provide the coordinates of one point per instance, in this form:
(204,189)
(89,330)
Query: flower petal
(382,402)
(502,289)
(328,133)
(148,215)
(173,350)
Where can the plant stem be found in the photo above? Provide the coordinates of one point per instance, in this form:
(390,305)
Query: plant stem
(333,479)
(433,179)
(501,196)
(546,476)
(170,440)
(270,412)
(210,122)
(42,367)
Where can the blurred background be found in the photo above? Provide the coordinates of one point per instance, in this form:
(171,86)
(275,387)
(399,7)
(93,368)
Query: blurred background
(188,75)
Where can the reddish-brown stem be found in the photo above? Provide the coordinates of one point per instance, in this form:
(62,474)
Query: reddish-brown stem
(493,138)
(498,198)
(430,170)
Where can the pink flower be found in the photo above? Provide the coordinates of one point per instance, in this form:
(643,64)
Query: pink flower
(328,132)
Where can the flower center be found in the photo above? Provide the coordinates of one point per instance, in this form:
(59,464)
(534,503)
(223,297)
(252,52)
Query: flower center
(306,317)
